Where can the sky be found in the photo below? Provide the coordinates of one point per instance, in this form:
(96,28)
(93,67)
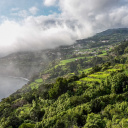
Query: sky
(27,25)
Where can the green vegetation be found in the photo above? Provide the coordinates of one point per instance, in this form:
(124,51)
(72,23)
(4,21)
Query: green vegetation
(79,101)
(90,92)
(39,80)
(36,83)
(68,104)
(91,79)
(63,62)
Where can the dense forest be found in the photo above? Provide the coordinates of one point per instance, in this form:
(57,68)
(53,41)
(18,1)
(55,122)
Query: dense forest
(86,88)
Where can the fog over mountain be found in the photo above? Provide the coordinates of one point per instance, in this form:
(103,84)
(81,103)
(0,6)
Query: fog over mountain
(77,19)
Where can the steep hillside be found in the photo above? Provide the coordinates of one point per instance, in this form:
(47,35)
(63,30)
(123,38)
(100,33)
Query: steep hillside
(82,87)
(26,64)
(89,100)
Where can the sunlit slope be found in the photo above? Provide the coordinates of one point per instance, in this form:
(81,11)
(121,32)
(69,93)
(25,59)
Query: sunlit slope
(103,74)
(86,87)
(95,94)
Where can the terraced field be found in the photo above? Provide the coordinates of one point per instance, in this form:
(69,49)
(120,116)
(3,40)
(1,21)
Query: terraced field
(36,83)
(63,62)
(100,76)
(88,79)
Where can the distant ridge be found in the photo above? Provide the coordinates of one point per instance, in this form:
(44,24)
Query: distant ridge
(112,31)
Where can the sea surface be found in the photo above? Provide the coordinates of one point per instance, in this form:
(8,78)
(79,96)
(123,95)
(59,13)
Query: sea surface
(10,84)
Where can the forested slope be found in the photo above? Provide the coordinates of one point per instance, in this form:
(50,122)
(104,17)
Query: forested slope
(88,90)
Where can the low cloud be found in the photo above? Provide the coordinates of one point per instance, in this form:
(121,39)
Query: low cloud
(78,19)
(35,33)
(33,10)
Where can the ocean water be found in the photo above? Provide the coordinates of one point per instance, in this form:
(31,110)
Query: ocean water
(9,85)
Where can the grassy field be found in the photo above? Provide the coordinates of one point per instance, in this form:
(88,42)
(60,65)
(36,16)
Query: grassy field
(35,85)
(39,80)
(88,79)
(85,70)
(63,62)
(99,76)
(112,70)
(103,54)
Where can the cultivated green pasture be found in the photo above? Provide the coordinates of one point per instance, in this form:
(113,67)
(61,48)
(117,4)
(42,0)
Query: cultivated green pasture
(85,70)
(87,79)
(64,62)
(39,80)
(34,85)
(98,76)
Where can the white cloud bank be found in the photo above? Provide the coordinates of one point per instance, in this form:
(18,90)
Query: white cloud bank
(78,19)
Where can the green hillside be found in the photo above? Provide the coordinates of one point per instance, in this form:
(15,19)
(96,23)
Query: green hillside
(89,100)
(29,64)
(84,88)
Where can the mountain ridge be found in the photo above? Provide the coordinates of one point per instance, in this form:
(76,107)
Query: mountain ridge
(39,58)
